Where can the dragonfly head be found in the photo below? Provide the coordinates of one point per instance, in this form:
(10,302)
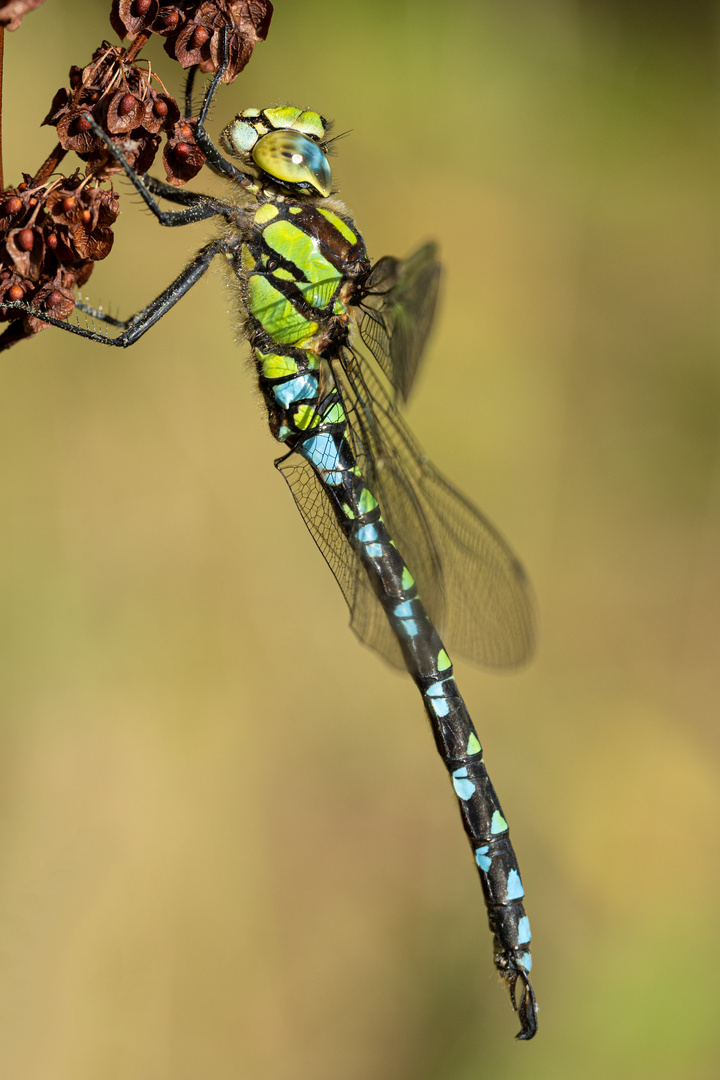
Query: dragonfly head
(285,145)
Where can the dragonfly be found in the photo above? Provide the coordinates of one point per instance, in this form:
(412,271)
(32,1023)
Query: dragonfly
(337,342)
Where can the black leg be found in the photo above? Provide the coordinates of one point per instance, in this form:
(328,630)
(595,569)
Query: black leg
(197,207)
(135,327)
(189,88)
(172,193)
(215,160)
(102,316)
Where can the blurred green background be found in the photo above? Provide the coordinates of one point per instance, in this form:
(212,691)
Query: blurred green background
(228,847)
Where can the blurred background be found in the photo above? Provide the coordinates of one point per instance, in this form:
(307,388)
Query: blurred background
(228,846)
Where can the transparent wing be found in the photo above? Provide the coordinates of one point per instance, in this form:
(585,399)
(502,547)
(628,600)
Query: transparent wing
(471,582)
(397,312)
(367,617)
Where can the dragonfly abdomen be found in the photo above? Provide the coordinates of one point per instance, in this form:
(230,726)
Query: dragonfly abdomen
(359,516)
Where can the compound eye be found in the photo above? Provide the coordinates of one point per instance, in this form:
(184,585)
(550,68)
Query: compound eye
(238,138)
(292,158)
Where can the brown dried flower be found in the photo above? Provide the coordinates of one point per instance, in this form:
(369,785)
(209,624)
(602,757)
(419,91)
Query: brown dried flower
(193,29)
(12,12)
(52,235)
(54,228)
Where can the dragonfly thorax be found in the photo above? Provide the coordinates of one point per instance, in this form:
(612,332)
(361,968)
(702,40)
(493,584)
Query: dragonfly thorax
(284,144)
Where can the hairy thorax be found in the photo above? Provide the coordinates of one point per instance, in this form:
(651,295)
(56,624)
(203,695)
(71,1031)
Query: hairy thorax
(300,266)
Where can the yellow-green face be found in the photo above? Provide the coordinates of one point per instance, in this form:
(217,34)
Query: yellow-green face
(285,144)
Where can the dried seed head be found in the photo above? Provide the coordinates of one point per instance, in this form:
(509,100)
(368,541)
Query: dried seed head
(193,32)
(51,235)
(182,157)
(13,11)
(53,229)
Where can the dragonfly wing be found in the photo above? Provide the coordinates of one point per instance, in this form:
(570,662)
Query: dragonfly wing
(471,582)
(397,312)
(489,616)
(367,618)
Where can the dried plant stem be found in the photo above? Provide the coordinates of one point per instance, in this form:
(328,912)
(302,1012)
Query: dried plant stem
(49,166)
(2,57)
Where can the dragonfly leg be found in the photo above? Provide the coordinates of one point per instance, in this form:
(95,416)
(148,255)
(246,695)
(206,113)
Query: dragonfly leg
(197,207)
(173,194)
(167,191)
(215,160)
(134,327)
(101,316)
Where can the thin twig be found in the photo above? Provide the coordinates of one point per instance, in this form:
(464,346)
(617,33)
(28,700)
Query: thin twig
(2,56)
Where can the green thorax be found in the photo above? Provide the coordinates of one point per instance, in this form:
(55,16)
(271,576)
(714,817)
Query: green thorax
(301,265)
